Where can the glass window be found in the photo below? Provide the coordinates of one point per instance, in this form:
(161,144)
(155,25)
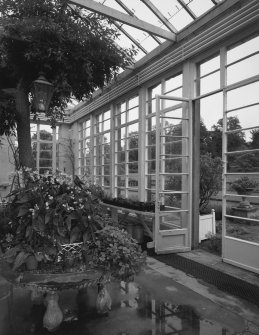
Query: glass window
(44,139)
(102,150)
(126,148)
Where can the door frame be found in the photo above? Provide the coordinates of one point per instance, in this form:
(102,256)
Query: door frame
(174,240)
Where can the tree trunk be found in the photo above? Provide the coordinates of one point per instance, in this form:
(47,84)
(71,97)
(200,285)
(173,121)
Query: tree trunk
(23,125)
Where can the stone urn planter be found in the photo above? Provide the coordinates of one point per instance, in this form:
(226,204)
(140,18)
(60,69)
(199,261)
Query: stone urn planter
(244,186)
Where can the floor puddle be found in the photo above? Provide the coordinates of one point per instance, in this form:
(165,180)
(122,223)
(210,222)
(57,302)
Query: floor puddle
(134,312)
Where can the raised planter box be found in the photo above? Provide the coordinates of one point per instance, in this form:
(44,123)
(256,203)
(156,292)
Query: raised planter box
(207,224)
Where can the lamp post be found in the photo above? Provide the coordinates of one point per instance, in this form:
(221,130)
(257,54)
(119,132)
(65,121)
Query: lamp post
(42,92)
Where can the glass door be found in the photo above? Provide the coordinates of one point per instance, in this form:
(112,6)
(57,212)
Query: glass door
(173,174)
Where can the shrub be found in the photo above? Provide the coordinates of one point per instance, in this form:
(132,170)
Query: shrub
(243,185)
(210,178)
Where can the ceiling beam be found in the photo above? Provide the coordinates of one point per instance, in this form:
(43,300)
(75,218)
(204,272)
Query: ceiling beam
(119,16)
(158,14)
(188,9)
(130,12)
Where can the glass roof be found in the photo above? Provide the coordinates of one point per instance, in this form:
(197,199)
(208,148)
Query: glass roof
(169,15)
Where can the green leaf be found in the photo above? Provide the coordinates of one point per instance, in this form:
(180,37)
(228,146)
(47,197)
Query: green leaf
(20,259)
(23,199)
(28,232)
(48,216)
(22,211)
(12,252)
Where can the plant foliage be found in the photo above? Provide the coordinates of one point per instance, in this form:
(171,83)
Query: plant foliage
(243,185)
(47,212)
(117,253)
(210,178)
(76,51)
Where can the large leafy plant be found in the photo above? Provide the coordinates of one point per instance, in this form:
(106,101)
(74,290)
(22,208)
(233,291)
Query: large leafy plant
(116,253)
(46,212)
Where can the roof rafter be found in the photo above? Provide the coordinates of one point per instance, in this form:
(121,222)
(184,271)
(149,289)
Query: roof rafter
(119,16)
(158,14)
(130,37)
(130,12)
(188,9)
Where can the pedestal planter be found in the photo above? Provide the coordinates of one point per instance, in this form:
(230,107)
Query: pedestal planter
(244,211)
(244,208)
(103,301)
(53,315)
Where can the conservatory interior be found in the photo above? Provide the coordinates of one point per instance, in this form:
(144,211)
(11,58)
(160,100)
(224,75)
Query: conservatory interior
(141,137)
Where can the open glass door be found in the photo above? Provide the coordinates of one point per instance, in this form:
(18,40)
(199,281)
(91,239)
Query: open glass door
(240,221)
(173,174)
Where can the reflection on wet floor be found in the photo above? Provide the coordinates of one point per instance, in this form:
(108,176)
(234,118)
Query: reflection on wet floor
(134,312)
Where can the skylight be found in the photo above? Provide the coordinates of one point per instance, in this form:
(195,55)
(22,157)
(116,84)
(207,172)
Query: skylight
(171,16)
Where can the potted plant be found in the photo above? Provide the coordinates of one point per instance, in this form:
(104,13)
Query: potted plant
(56,223)
(117,256)
(244,185)
(116,253)
(47,213)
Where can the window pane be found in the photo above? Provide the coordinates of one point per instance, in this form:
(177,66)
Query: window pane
(133,102)
(173,83)
(210,83)
(243,70)
(210,66)
(133,114)
(243,96)
(243,50)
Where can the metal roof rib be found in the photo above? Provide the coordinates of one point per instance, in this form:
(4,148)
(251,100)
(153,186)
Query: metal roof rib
(119,16)
(161,17)
(132,14)
(188,10)
(130,37)
(119,2)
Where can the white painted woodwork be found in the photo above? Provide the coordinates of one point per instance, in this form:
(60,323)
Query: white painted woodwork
(207,225)
(119,16)
(243,254)
(176,223)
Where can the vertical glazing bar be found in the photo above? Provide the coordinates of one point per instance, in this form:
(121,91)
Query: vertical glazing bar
(38,148)
(190,134)
(112,150)
(157,202)
(127,152)
(54,151)
(223,61)
(142,145)
(92,149)
(162,144)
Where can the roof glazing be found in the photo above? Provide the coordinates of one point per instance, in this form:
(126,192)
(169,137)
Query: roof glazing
(171,16)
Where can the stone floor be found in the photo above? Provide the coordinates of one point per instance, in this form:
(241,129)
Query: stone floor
(161,301)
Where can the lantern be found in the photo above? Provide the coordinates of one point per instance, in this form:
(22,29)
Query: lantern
(42,92)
